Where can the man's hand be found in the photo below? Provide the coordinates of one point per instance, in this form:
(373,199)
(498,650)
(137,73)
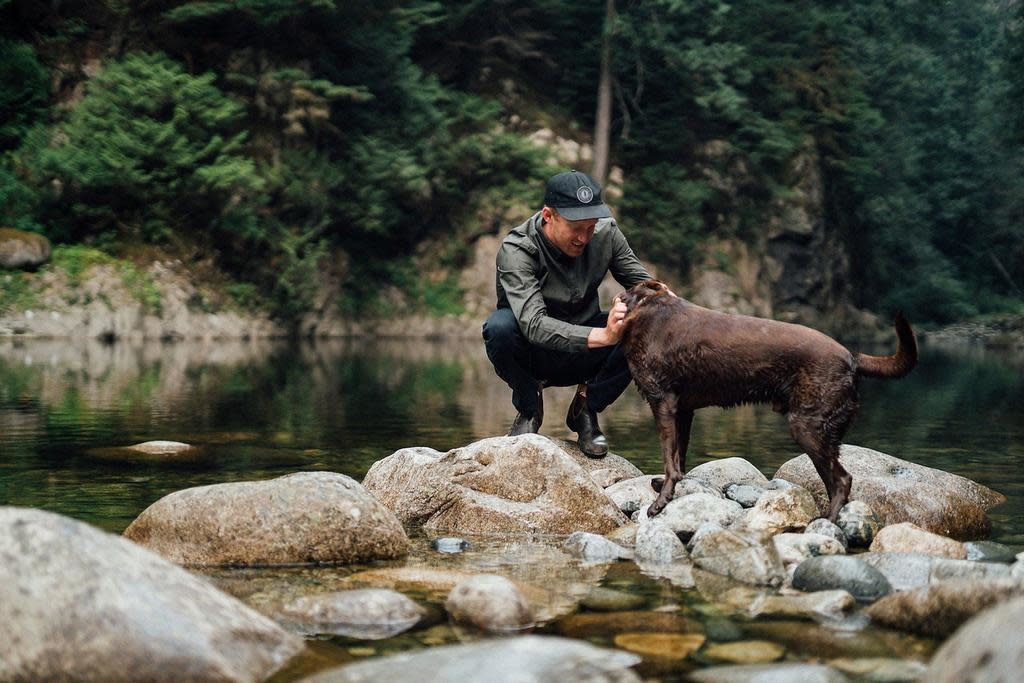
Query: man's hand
(610,333)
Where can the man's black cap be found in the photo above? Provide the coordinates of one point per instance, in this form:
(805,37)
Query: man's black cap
(576,196)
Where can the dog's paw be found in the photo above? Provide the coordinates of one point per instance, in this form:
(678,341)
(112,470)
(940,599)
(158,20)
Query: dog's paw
(657,483)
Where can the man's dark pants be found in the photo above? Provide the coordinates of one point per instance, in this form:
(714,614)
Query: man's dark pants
(522,365)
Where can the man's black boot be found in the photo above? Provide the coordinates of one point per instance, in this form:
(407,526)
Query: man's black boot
(529,424)
(582,420)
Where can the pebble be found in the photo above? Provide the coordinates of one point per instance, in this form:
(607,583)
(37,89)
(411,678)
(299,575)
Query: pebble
(674,646)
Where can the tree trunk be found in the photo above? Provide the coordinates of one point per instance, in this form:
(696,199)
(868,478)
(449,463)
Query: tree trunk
(603,124)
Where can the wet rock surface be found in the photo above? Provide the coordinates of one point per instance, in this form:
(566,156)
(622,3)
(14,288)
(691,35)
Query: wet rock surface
(938,610)
(505,484)
(902,491)
(490,603)
(859,524)
(770,673)
(117,612)
(594,548)
(746,556)
(303,518)
(370,614)
(989,647)
(859,579)
(544,659)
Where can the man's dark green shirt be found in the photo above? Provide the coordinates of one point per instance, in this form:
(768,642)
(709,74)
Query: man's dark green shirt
(551,293)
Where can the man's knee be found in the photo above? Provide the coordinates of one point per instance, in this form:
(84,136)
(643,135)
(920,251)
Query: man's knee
(501,330)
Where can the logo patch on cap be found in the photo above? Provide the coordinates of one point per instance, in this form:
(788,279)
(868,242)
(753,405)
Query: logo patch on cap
(584,194)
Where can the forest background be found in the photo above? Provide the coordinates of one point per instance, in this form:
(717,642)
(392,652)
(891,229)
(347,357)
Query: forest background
(279,138)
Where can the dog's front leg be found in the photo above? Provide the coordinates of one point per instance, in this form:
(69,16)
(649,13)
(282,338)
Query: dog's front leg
(674,432)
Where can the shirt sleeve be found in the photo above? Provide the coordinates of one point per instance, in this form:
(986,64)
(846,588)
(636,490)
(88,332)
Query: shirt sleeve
(625,266)
(517,272)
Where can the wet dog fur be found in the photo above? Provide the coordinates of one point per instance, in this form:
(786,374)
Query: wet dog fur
(684,357)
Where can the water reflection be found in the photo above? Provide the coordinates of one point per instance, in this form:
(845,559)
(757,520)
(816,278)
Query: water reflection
(260,409)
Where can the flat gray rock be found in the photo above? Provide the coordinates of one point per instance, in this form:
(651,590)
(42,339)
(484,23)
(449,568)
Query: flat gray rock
(829,572)
(538,659)
(77,603)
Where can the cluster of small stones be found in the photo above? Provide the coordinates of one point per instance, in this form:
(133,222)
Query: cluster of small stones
(751,545)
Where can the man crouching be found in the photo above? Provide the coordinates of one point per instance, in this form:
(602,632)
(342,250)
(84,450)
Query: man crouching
(549,329)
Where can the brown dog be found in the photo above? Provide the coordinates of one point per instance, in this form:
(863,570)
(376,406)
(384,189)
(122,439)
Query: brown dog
(684,357)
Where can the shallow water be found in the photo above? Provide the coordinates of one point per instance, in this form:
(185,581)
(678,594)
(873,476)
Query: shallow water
(263,409)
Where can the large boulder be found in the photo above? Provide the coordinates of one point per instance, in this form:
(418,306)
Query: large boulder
(20,249)
(989,647)
(605,471)
(504,484)
(77,603)
(540,659)
(940,609)
(902,491)
(303,518)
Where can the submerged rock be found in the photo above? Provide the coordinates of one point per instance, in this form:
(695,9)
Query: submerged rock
(540,659)
(608,600)
(910,538)
(902,491)
(490,603)
(671,646)
(746,652)
(449,545)
(369,613)
(159,447)
(828,604)
(505,484)
(594,548)
(938,610)
(303,518)
(769,673)
(989,647)
(859,579)
(80,604)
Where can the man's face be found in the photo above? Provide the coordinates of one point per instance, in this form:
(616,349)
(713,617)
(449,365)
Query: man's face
(571,237)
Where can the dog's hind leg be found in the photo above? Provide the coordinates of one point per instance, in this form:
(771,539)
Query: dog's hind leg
(823,451)
(674,430)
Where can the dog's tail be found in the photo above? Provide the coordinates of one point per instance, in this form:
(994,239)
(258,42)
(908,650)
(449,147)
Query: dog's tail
(897,365)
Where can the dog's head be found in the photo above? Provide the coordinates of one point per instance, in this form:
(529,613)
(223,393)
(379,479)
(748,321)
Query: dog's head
(643,292)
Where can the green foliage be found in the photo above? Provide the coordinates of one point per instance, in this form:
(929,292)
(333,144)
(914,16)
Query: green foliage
(667,209)
(152,150)
(24,91)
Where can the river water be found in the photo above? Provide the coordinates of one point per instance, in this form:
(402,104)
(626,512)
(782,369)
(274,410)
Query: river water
(261,409)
